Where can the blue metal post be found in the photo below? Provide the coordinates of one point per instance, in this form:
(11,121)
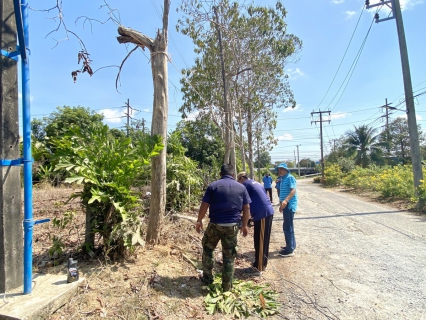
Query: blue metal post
(28,183)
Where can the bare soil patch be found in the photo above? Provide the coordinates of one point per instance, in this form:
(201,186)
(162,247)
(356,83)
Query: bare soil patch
(160,282)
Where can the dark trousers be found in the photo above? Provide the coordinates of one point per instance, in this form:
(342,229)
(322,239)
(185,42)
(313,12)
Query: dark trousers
(269,190)
(262,236)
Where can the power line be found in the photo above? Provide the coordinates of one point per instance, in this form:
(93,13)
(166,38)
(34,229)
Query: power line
(170,36)
(344,55)
(352,68)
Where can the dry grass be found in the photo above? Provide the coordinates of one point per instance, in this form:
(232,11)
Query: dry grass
(159,282)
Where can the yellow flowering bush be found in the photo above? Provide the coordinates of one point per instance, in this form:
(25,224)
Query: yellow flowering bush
(421,191)
(394,182)
(333,174)
(358,178)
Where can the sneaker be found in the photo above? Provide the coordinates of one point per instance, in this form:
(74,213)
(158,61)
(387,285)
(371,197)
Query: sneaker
(285,253)
(252,271)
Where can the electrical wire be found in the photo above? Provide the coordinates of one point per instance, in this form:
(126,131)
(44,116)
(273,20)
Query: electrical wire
(343,58)
(352,68)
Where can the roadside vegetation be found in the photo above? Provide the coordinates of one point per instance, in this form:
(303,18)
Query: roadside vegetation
(365,160)
(95,182)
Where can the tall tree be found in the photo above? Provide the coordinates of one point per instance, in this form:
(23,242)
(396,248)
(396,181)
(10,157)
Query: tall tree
(264,160)
(364,145)
(159,55)
(256,48)
(202,141)
(61,120)
(399,139)
(307,163)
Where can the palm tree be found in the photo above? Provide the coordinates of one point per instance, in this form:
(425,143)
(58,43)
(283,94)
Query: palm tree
(365,145)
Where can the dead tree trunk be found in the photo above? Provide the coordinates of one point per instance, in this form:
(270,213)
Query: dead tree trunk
(158,50)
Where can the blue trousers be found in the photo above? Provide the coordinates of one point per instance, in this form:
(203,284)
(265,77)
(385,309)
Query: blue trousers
(288,228)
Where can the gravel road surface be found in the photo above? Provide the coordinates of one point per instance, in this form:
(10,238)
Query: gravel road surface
(354,259)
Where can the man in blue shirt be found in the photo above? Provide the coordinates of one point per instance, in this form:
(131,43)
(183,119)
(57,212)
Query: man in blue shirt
(262,212)
(267,184)
(288,205)
(225,199)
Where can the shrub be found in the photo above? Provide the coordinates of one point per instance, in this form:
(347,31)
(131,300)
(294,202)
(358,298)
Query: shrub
(358,178)
(394,181)
(107,168)
(184,182)
(332,175)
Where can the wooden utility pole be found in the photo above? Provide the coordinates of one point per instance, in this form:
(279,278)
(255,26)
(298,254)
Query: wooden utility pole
(321,138)
(416,158)
(158,50)
(11,243)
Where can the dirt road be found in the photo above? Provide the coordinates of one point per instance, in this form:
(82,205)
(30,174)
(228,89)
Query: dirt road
(354,259)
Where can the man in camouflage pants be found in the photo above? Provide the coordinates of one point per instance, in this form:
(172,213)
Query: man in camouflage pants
(225,199)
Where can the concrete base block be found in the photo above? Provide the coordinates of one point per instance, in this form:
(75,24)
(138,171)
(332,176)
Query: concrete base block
(50,292)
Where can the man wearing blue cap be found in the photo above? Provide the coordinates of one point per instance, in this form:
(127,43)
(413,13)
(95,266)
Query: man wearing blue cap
(288,205)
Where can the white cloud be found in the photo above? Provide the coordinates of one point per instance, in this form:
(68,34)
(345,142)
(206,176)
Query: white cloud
(298,107)
(339,115)
(112,115)
(404,116)
(409,4)
(337,1)
(405,5)
(350,14)
(286,137)
(294,73)
(146,110)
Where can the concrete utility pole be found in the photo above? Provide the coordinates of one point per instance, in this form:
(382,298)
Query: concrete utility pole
(294,151)
(333,141)
(11,243)
(143,125)
(416,158)
(128,116)
(298,159)
(322,146)
(387,107)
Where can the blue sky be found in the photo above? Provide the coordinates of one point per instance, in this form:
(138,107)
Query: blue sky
(324,26)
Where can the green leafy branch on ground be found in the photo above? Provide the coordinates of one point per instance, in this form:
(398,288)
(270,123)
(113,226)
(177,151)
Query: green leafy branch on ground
(245,298)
